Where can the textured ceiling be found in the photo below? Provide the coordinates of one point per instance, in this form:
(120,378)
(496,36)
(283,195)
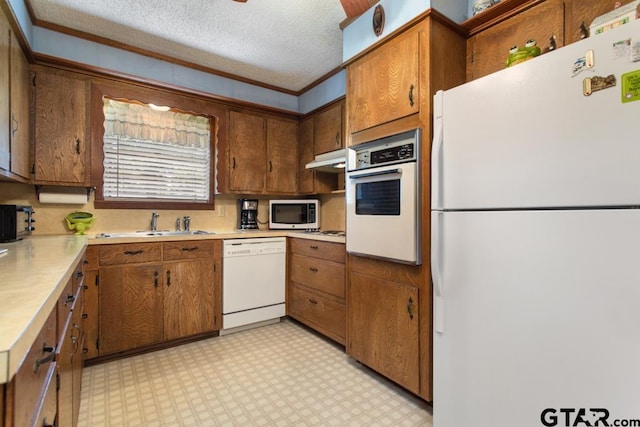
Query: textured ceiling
(283,43)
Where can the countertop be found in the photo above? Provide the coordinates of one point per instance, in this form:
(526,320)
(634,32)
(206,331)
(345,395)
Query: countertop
(34,272)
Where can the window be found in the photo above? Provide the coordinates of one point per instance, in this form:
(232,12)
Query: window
(154,154)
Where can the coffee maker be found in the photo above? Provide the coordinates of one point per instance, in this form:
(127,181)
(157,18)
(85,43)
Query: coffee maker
(248,214)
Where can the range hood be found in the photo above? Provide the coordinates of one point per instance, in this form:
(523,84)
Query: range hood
(332,162)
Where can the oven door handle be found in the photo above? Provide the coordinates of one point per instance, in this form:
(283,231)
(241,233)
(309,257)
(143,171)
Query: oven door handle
(367,175)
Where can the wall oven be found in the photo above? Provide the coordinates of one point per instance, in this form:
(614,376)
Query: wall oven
(383,198)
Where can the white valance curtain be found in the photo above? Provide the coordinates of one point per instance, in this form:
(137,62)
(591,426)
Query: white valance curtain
(151,154)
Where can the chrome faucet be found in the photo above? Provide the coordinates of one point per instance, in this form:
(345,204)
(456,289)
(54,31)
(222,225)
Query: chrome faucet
(186,220)
(154,221)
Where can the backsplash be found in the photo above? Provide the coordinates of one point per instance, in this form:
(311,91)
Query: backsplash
(50,217)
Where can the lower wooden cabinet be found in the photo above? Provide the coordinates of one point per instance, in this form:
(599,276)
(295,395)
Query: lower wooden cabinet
(384,320)
(150,293)
(316,293)
(24,402)
(388,318)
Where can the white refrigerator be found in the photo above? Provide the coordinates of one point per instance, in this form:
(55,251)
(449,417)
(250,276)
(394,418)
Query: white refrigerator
(536,242)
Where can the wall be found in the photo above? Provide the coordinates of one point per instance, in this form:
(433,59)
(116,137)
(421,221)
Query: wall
(50,217)
(359,35)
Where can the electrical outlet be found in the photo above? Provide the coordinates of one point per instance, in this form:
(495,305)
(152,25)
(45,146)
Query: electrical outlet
(220,210)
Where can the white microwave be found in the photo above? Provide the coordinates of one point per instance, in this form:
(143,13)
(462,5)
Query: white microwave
(294,214)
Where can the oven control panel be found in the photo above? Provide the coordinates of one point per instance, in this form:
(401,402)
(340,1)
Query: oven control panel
(400,148)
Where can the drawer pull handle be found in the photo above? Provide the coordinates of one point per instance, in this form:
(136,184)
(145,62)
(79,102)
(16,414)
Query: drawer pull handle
(70,298)
(79,275)
(138,252)
(46,359)
(314,247)
(85,315)
(312,301)
(410,308)
(191,249)
(155,279)
(314,269)
(168,278)
(411,102)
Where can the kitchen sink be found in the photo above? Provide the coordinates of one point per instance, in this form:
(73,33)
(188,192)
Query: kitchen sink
(149,233)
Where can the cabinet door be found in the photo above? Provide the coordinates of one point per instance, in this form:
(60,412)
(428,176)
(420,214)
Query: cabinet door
(20,128)
(584,11)
(305,150)
(383,322)
(4,93)
(383,86)
(130,298)
(60,129)
(282,155)
(488,50)
(327,130)
(188,298)
(247,152)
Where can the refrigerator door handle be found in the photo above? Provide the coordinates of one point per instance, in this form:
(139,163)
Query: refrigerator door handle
(436,151)
(436,271)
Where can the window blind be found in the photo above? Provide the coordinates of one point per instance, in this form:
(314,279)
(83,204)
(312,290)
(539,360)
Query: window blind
(157,155)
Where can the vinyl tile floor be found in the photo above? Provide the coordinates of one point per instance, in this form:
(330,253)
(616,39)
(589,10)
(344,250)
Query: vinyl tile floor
(277,375)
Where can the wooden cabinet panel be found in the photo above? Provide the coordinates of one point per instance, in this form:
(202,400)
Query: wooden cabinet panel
(488,50)
(130,253)
(584,11)
(316,286)
(174,293)
(30,381)
(384,85)
(305,155)
(282,155)
(317,248)
(131,314)
(383,321)
(187,250)
(61,143)
(20,126)
(247,152)
(318,311)
(5,36)
(327,130)
(188,298)
(48,409)
(90,307)
(322,275)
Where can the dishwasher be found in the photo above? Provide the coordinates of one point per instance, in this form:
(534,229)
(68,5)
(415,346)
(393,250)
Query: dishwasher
(253,282)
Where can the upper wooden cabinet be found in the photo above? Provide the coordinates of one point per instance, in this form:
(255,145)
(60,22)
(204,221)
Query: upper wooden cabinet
(384,85)
(61,129)
(488,50)
(584,11)
(328,132)
(513,22)
(15,92)
(262,154)
(320,133)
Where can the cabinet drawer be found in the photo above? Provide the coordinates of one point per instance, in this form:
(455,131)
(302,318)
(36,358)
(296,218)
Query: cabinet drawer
(47,410)
(317,248)
(30,380)
(130,253)
(325,276)
(187,250)
(91,258)
(319,312)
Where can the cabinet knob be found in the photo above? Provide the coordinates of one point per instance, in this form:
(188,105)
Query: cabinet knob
(313,301)
(314,269)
